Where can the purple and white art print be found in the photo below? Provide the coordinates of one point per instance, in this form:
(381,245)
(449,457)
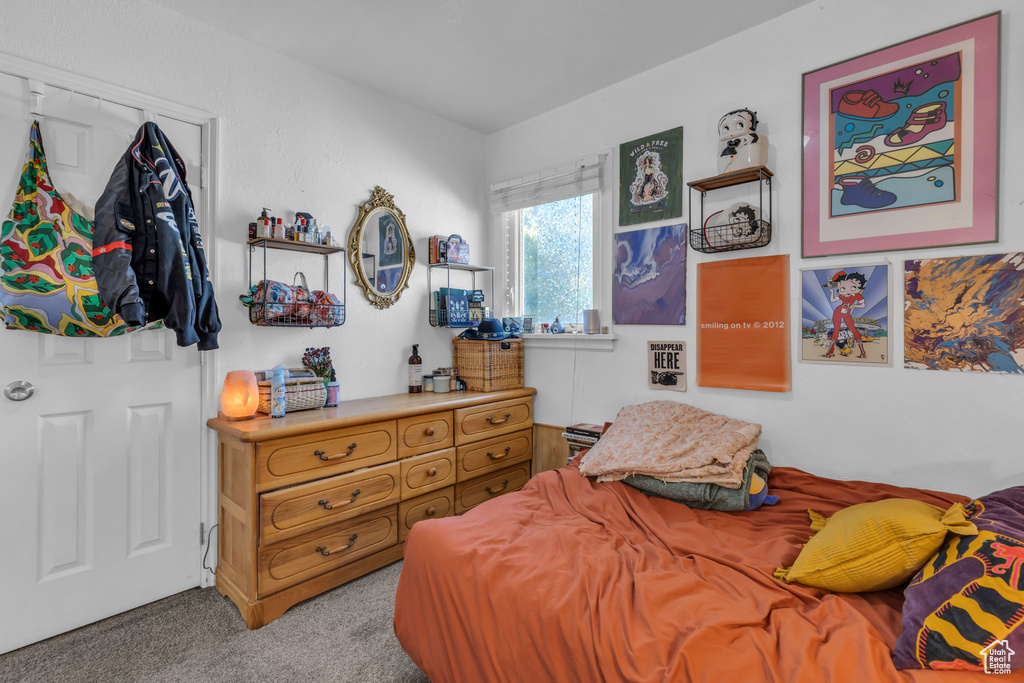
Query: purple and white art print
(649,281)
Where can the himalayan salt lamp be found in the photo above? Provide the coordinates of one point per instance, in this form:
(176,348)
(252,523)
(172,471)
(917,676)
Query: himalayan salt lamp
(240,395)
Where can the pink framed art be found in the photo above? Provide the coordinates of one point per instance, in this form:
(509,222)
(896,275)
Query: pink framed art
(901,145)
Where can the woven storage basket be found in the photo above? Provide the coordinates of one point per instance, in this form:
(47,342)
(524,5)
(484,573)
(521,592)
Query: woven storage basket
(299,394)
(489,365)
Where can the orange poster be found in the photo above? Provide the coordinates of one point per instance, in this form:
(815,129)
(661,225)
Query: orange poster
(742,324)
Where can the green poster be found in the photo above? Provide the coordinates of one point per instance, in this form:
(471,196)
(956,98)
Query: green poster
(651,178)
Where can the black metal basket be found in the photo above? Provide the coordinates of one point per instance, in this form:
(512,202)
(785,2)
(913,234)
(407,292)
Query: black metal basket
(714,239)
(296,314)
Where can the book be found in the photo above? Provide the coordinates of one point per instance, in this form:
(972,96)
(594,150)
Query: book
(586,429)
(458,310)
(579,438)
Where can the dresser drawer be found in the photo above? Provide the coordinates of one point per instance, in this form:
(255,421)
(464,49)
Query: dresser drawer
(297,459)
(424,433)
(298,509)
(301,558)
(471,493)
(427,472)
(481,457)
(492,419)
(431,506)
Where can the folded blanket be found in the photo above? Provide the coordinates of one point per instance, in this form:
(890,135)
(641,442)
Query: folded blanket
(706,496)
(673,442)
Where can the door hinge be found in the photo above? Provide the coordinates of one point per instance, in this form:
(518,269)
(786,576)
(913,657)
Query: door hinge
(202,534)
(203,172)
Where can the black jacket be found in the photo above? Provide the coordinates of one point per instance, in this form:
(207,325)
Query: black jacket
(147,249)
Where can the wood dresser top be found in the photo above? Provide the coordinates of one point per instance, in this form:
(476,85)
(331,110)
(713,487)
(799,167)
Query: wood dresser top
(357,412)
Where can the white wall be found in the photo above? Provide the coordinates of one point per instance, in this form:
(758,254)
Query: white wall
(951,431)
(293,139)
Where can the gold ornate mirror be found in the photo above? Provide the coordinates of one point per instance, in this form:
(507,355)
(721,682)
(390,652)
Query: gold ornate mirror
(380,250)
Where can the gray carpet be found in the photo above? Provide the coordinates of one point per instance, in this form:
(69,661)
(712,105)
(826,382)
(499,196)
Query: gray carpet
(196,636)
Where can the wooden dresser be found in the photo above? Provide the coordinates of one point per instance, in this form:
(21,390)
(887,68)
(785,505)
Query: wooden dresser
(320,497)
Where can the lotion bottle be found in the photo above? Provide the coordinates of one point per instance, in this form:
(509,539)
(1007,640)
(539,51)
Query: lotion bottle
(277,392)
(415,371)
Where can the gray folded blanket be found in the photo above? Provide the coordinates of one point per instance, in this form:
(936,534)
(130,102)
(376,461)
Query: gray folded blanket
(705,496)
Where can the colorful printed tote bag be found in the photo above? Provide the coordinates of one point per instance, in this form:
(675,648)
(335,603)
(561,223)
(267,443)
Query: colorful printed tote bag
(46,273)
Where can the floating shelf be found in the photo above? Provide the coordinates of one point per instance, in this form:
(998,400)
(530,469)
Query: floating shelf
(747,175)
(292,245)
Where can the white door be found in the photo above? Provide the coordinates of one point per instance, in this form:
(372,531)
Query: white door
(100,468)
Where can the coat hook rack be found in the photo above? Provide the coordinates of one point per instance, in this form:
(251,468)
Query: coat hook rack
(36,95)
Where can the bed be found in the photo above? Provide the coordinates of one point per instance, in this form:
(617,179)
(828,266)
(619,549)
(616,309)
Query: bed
(573,580)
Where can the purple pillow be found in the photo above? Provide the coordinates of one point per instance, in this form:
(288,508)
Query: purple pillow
(965,608)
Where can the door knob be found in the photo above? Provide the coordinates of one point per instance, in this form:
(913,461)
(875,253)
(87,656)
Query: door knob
(19,391)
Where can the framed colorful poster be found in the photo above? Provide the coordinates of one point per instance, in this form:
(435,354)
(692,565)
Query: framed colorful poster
(965,313)
(900,145)
(845,315)
(651,178)
(649,279)
(742,328)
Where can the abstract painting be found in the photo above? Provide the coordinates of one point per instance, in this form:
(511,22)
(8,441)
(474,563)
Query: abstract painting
(901,145)
(965,313)
(649,281)
(651,178)
(845,315)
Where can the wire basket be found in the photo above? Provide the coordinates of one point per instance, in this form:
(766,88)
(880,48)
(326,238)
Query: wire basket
(712,239)
(439,317)
(304,393)
(296,314)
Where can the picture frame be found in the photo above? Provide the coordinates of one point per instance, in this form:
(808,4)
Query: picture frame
(901,145)
(649,276)
(846,315)
(651,178)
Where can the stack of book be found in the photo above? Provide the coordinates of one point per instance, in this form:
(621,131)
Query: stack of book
(582,436)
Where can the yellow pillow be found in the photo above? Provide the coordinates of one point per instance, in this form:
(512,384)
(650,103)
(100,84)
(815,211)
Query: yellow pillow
(873,546)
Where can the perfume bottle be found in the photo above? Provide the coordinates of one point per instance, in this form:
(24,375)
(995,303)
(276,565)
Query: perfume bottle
(415,371)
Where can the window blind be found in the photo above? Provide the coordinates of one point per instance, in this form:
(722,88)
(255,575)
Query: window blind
(570,180)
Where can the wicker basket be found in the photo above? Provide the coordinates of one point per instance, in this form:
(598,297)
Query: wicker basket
(299,394)
(489,365)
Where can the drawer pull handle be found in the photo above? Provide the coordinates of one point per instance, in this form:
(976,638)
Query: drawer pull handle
(431,511)
(430,431)
(492,456)
(322,549)
(499,422)
(325,457)
(491,491)
(432,472)
(328,506)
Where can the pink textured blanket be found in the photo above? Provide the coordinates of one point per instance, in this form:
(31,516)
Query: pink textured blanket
(673,442)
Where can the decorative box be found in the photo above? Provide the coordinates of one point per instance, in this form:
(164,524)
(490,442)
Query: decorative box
(489,365)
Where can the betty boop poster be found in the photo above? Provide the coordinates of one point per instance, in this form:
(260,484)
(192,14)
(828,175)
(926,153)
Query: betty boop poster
(846,315)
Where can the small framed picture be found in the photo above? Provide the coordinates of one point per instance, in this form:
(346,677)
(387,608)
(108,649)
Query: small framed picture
(846,313)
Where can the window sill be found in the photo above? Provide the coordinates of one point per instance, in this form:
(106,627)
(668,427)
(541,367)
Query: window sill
(590,342)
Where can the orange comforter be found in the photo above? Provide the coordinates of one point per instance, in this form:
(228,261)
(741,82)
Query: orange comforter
(571,580)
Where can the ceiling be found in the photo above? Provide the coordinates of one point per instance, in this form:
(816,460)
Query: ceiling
(484,64)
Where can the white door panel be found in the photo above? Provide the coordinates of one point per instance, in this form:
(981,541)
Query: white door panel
(100,468)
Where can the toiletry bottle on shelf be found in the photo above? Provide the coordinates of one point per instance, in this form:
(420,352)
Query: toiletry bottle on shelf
(415,371)
(333,390)
(253,230)
(277,392)
(263,225)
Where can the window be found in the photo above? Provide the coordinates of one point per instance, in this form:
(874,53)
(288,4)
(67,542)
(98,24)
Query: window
(551,225)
